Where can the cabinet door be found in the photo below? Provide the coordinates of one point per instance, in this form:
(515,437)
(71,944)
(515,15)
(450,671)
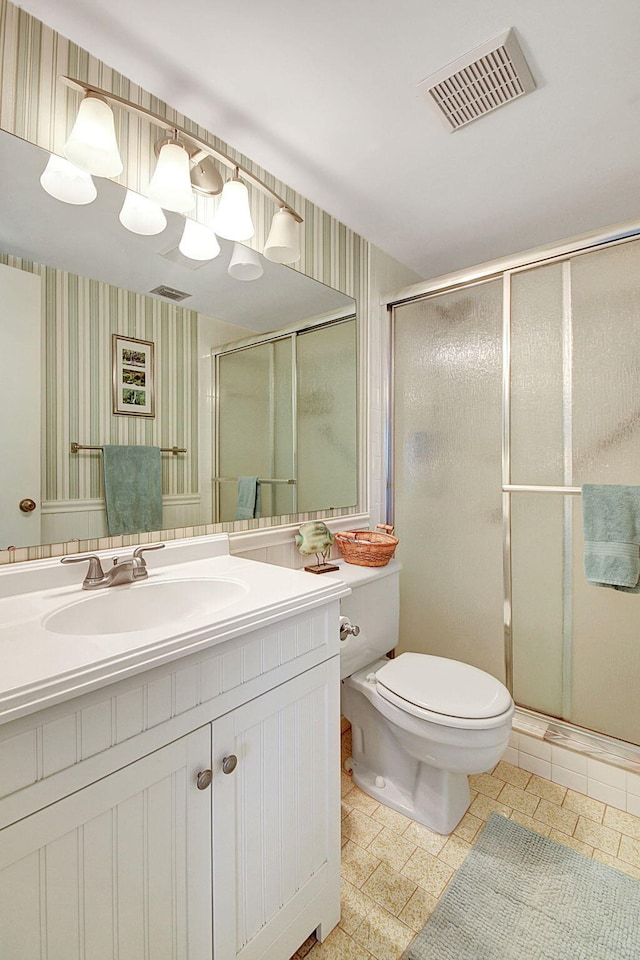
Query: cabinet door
(276,845)
(117,871)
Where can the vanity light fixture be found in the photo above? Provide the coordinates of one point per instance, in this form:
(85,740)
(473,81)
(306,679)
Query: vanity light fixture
(205,177)
(170,184)
(198,242)
(283,242)
(92,143)
(189,159)
(64,181)
(244,264)
(141,215)
(233,216)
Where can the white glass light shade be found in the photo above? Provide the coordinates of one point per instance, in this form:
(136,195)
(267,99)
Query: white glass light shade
(141,215)
(198,241)
(244,264)
(233,216)
(171,182)
(283,242)
(92,142)
(66,182)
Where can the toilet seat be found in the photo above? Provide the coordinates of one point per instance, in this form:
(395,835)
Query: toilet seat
(442,690)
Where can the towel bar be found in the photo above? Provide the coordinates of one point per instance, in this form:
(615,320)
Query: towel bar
(532,488)
(75,447)
(260,480)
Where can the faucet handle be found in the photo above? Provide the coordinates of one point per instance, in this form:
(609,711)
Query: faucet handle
(137,553)
(95,573)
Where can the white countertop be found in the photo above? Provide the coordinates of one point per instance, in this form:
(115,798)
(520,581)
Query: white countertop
(40,667)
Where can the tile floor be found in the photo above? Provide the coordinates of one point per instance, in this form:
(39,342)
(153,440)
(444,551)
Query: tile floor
(394,870)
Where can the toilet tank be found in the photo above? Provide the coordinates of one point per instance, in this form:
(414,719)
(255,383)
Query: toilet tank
(374,606)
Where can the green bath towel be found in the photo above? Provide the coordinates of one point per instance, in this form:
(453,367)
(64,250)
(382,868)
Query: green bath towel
(611,518)
(132,488)
(248,498)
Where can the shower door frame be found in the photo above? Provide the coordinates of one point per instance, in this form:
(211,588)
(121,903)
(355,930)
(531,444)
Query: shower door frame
(287,333)
(217,355)
(549,727)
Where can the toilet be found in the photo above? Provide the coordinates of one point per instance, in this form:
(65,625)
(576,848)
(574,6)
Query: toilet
(420,724)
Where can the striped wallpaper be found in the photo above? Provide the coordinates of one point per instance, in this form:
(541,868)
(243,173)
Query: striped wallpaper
(79,317)
(36,106)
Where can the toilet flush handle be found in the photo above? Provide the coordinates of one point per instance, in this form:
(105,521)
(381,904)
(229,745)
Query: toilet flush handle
(347,629)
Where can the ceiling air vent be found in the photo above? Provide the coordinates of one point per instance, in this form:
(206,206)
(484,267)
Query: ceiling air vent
(481,81)
(170,292)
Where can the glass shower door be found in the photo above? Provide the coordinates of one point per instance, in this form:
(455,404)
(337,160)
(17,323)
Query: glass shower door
(287,413)
(540,358)
(255,425)
(572,382)
(447,474)
(575,419)
(326,404)
(605,286)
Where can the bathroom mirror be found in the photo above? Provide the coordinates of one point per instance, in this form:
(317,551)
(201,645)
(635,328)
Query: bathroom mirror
(96,279)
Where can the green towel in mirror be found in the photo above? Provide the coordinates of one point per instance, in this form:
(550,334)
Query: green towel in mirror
(132,488)
(248,498)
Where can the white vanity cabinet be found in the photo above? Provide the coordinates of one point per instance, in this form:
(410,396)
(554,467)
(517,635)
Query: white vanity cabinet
(111,850)
(275,823)
(117,869)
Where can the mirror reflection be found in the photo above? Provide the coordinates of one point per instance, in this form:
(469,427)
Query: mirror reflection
(96,350)
(295,396)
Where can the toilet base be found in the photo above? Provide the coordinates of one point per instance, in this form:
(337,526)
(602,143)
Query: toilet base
(439,801)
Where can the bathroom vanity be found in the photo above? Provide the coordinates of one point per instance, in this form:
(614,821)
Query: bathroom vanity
(169,769)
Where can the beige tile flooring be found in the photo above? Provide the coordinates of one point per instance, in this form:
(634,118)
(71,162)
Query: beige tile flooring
(394,870)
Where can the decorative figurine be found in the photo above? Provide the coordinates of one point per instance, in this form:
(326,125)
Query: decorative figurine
(315,537)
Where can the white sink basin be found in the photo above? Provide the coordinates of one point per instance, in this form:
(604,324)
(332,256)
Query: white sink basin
(145,606)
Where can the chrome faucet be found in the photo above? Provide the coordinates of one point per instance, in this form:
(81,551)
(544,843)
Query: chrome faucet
(125,570)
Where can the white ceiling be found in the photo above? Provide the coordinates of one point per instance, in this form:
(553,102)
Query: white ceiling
(324,95)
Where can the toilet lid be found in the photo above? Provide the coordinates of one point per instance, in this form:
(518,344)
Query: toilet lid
(448,687)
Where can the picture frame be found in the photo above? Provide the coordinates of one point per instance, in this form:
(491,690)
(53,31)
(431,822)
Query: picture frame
(133,377)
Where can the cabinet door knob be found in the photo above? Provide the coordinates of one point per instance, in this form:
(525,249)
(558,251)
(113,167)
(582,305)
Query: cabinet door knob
(229,763)
(204,778)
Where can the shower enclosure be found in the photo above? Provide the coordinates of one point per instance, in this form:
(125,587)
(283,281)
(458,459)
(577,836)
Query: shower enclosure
(509,392)
(286,413)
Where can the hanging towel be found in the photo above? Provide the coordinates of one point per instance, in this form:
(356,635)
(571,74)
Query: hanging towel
(132,488)
(611,518)
(248,498)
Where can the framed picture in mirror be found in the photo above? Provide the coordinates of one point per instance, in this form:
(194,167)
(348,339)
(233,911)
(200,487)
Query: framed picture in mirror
(133,377)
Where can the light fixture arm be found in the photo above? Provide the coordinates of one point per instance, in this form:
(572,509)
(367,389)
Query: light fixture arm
(198,149)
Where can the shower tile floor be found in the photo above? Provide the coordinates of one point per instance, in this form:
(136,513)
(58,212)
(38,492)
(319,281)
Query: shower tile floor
(394,870)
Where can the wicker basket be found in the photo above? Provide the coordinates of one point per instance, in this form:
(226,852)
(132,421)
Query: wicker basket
(368,548)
